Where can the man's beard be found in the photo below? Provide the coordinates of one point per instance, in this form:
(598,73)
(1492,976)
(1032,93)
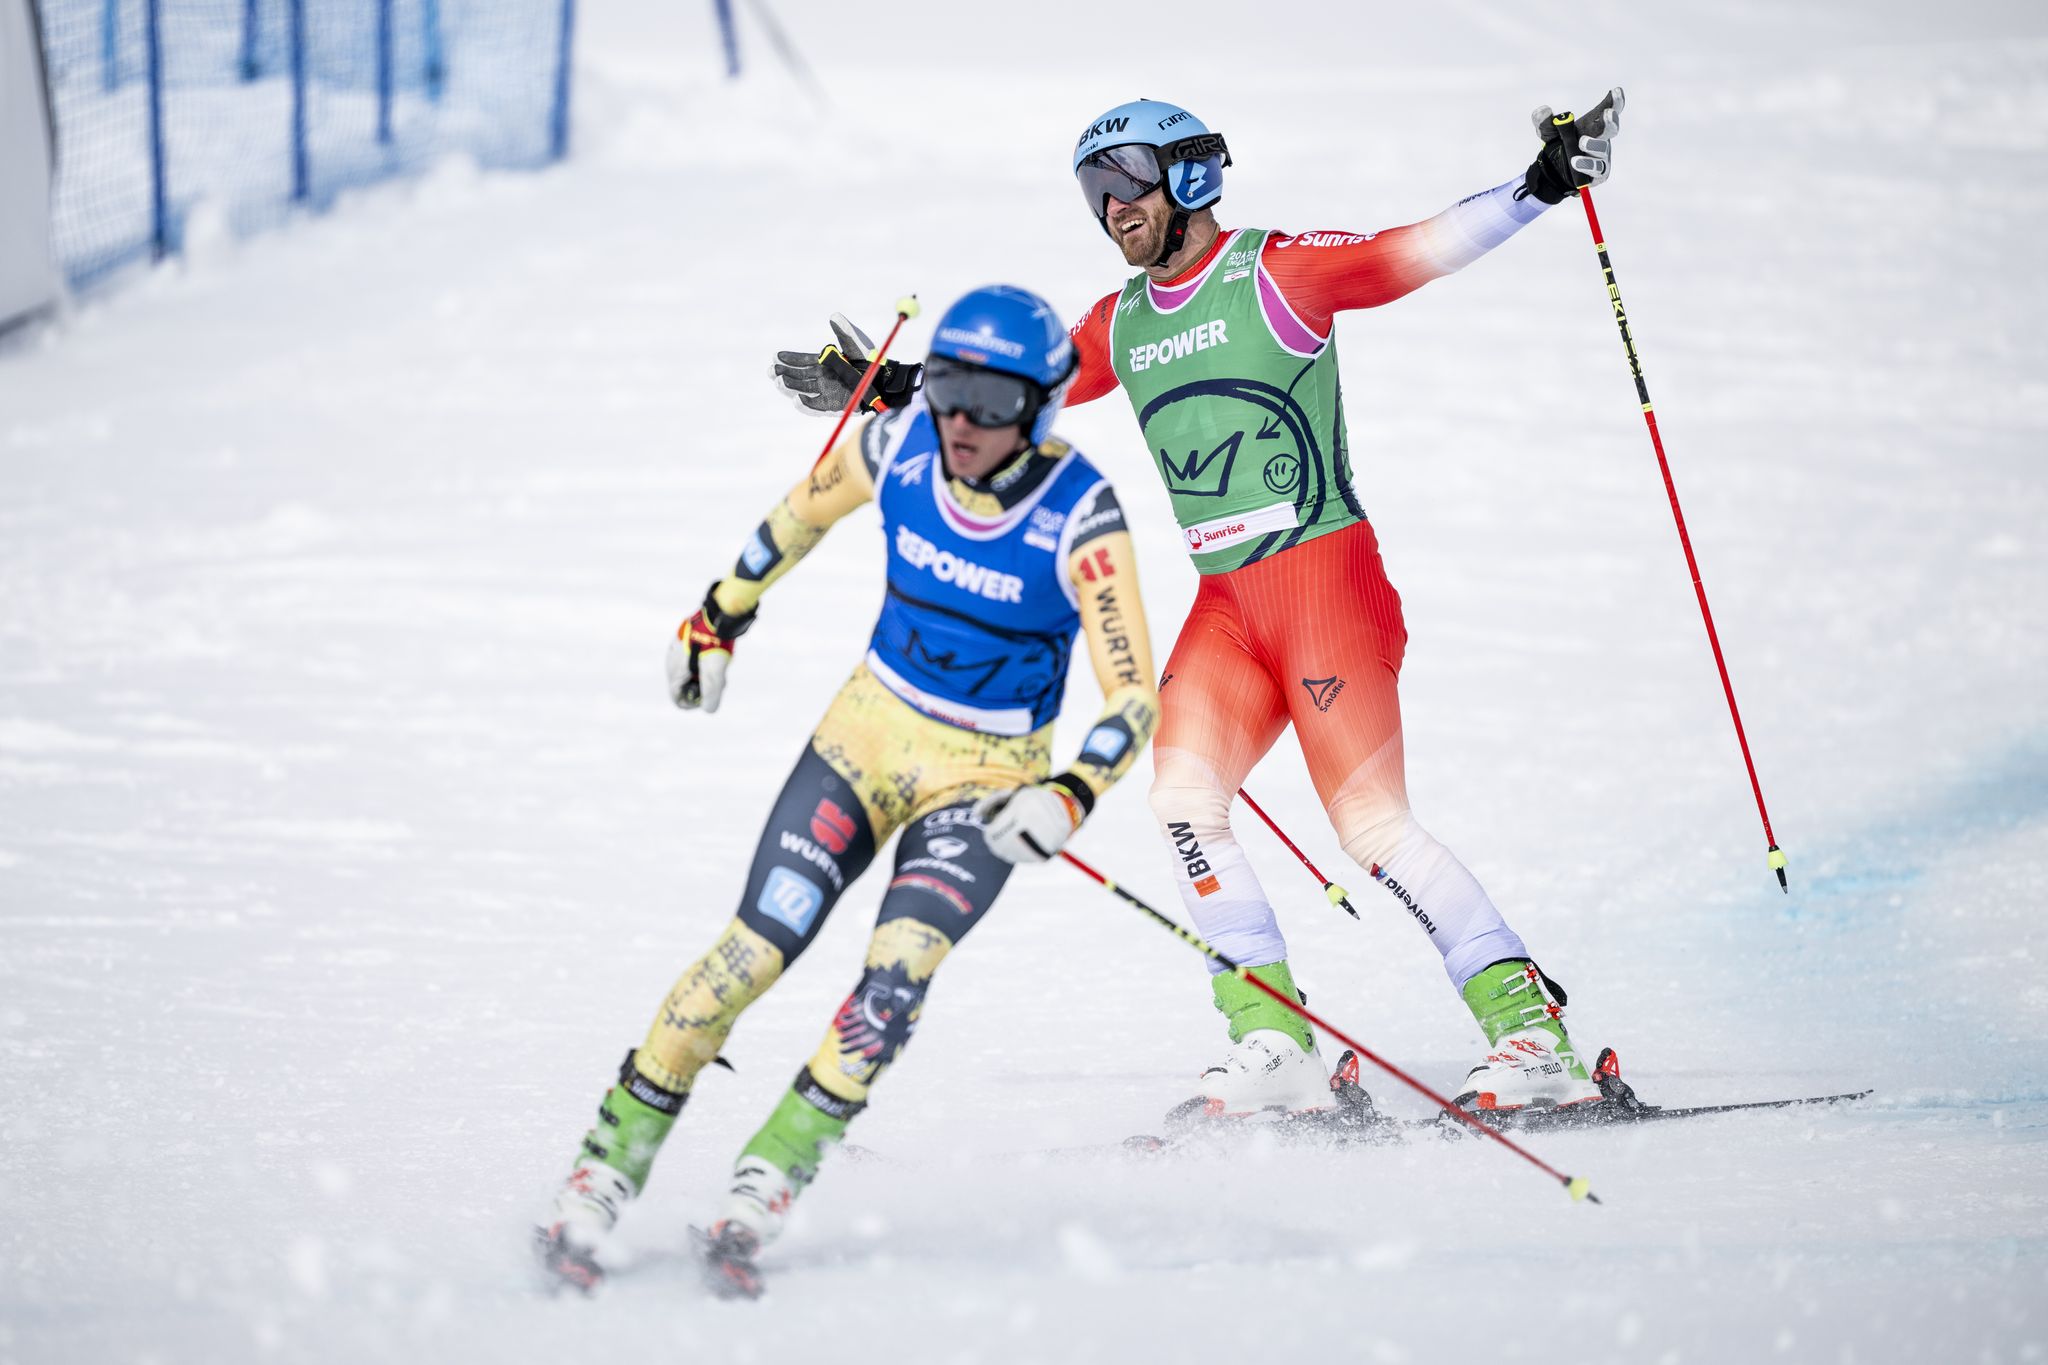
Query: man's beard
(1141,248)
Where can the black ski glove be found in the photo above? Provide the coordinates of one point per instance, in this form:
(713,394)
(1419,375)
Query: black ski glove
(822,382)
(1577,152)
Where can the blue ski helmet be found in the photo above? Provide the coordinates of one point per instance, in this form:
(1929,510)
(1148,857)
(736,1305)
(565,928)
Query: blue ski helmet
(1000,330)
(1135,147)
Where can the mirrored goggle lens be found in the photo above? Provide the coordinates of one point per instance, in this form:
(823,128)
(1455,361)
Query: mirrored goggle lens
(986,398)
(1129,173)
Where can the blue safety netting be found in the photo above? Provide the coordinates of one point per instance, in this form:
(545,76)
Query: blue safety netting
(256,107)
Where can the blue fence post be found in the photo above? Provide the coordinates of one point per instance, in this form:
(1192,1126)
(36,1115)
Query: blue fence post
(384,72)
(731,36)
(296,10)
(159,208)
(558,121)
(430,42)
(249,67)
(110,44)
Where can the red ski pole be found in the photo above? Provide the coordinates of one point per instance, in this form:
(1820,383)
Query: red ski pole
(1775,858)
(906,309)
(1339,897)
(1576,1186)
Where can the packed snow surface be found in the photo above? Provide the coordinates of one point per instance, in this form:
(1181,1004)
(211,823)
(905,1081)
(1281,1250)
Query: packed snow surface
(347,840)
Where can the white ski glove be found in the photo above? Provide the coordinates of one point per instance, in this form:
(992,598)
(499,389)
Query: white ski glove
(1028,824)
(701,652)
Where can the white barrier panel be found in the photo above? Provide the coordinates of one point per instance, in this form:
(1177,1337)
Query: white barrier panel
(28,274)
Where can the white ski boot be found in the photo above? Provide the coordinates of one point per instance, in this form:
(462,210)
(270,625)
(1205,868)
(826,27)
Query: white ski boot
(756,1207)
(758,1199)
(586,1209)
(1272,1070)
(1531,1062)
(1528,1070)
(1267,1073)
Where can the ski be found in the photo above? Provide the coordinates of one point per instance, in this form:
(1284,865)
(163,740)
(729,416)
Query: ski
(1352,1121)
(1607,1113)
(564,1265)
(723,1257)
(1592,1115)
(727,1254)
(1355,1122)
(1618,1104)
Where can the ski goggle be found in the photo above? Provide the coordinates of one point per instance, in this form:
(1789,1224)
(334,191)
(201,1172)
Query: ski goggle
(1135,169)
(988,398)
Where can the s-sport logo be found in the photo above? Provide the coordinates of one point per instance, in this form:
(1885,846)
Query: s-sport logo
(1323,691)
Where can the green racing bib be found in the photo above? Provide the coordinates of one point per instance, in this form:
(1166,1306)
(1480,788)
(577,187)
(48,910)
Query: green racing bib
(1240,405)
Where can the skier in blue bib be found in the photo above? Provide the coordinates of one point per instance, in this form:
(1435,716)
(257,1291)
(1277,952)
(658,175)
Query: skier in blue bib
(1002,544)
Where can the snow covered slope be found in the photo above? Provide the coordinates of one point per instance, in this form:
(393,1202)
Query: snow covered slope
(346,839)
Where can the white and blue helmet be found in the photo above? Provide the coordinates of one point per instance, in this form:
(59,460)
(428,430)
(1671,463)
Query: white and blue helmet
(1001,356)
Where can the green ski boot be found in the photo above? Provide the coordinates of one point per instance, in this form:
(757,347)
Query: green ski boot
(633,1120)
(783,1157)
(1531,1061)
